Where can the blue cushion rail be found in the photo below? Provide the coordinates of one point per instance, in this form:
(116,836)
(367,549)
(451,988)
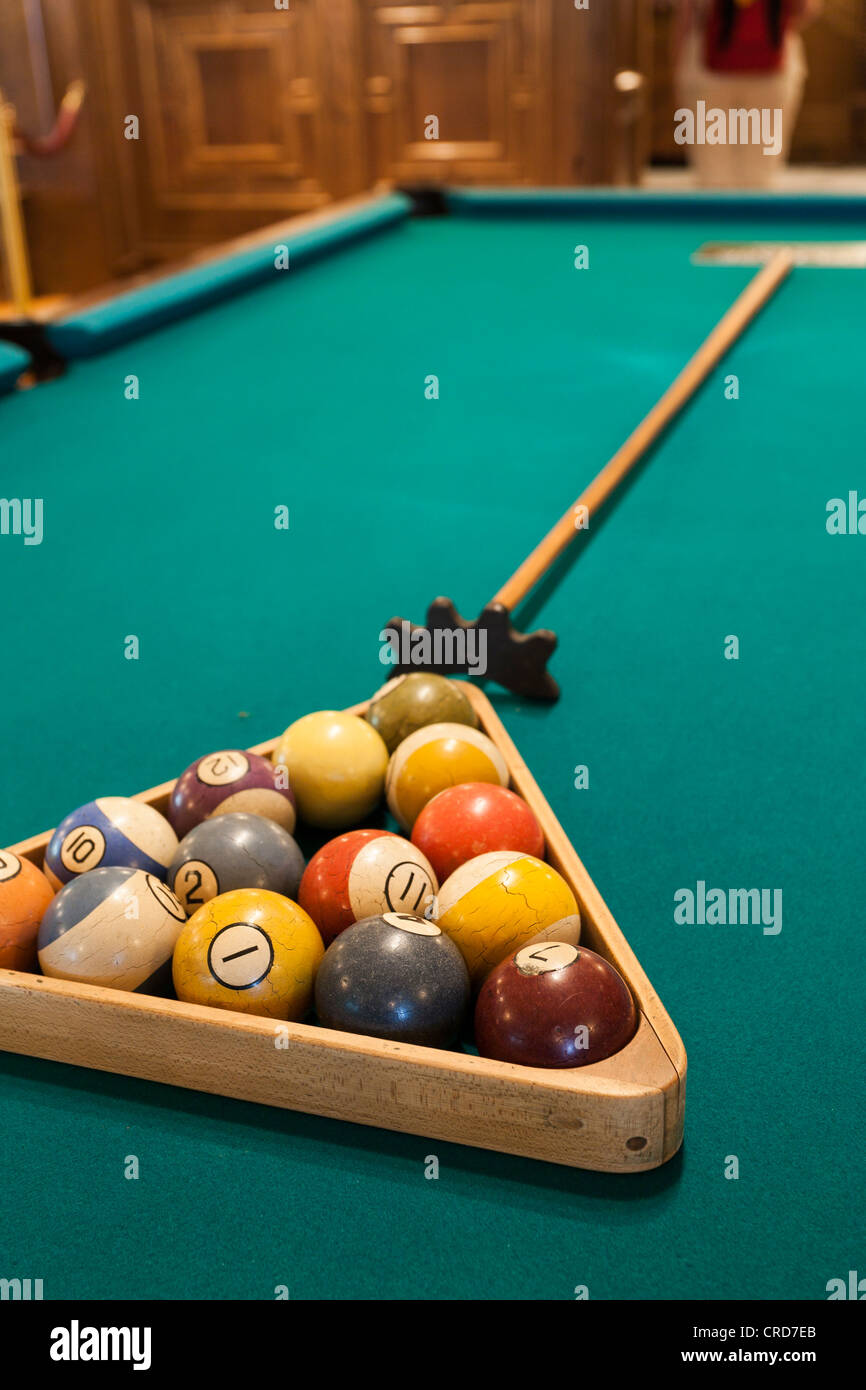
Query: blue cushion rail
(13,361)
(126,315)
(610,202)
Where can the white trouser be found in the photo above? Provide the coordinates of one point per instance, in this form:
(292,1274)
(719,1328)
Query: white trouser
(741,166)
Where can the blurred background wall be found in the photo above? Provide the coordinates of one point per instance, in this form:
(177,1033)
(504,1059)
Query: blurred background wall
(249,113)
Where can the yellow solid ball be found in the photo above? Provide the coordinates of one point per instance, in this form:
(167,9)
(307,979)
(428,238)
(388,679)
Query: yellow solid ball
(336,764)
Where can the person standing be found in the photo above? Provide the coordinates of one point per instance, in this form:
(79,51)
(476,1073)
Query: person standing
(742,54)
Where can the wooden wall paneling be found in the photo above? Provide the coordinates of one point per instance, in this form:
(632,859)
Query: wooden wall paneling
(41,52)
(236,115)
(859,114)
(234,100)
(340,23)
(113,95)
(472,62)
(662,97)
(613,124)
(531,105)
(584,62)
(568,40)
(594,110)
(832,123)
(483,69)
(631,103)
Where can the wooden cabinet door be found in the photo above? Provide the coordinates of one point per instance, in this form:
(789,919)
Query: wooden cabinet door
(237,125)
(480,68)
(601,66)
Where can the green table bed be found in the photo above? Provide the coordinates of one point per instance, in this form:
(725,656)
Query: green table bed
(194,407)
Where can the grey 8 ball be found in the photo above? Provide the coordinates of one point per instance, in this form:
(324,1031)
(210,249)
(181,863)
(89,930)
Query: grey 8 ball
(394,976)
(237,850)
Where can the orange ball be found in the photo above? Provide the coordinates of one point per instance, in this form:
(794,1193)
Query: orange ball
(474,818)
(24,895)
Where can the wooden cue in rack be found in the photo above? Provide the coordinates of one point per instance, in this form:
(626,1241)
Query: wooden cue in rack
(726,332)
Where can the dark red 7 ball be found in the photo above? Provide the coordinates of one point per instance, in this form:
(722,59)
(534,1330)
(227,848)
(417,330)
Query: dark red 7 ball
(554,1005)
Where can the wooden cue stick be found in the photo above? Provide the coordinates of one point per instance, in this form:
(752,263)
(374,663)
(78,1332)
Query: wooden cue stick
(727,330)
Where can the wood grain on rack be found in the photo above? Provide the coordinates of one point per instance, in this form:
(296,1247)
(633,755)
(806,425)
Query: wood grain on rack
(624,1114)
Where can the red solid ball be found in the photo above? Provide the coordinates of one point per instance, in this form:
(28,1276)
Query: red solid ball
(554,1005)
(474,818)
(365,873)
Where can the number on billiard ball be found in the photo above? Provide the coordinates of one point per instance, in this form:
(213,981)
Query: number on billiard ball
(394,976)
(361,874)
(554,1004)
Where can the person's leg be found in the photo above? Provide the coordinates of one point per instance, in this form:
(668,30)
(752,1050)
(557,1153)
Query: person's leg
(696,83)
(793,82)
(780,92)
(742,165)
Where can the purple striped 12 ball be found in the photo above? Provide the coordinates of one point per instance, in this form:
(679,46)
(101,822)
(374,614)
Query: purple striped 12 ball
(231,780)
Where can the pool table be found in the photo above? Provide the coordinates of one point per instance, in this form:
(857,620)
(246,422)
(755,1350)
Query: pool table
(190,409)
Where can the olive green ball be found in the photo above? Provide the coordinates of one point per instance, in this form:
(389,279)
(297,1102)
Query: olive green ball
(411,702)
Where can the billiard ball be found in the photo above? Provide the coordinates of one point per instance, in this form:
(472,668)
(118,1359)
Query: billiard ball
(436,757)
(336,764)
(237,850)
(24,896)
(554,1004)
(394,976)
(361,874)
(408,703)
(249,950)
(474,818)
(113,926)
(111,832)
(498,902)
(231,780)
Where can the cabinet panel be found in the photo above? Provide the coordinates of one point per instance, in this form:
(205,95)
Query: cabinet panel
(481,69)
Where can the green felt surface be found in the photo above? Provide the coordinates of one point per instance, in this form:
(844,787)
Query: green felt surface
(749,773)
(172,296)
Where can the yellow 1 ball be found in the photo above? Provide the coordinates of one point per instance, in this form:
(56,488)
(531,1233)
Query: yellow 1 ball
(249,950)
(336,764)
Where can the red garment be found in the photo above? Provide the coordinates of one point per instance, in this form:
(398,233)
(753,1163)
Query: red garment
(750,47)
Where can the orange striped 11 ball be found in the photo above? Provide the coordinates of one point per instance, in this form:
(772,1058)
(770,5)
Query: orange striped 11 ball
(361,874)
